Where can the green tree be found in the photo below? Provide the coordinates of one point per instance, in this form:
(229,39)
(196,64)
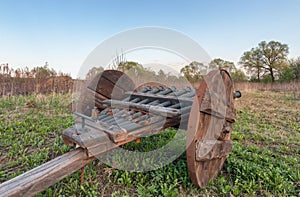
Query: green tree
(295,66)
(252,62)
(93,71)
(286,75)
(42,73)
(194,71)
(272,58)
(128,65)
(239,76)
(222,64)
(136,71)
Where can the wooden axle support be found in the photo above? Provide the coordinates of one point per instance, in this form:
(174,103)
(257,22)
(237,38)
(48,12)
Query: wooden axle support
(111,112)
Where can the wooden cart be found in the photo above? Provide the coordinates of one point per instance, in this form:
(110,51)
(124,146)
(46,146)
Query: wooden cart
(111,112)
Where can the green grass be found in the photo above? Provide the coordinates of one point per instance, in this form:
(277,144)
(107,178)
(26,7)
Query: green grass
(265,160)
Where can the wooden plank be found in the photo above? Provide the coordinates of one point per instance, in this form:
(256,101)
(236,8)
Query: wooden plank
(93,133)
(86,138)
(212,149)
(71,137)
(95,144)
(158,110)
(41,177)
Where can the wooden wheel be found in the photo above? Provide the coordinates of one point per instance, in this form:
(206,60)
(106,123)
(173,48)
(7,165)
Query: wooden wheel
(105,85)
(210,127)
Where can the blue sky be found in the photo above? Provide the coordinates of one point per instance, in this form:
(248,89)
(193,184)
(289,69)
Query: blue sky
(64,32)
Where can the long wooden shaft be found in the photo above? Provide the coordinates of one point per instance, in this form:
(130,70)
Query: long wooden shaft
(42,177)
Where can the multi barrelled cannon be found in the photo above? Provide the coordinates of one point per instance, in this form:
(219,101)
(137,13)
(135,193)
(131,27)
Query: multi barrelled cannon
(112,111)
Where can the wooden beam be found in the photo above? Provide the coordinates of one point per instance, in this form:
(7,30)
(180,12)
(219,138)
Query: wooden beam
(42,177)
(114,131)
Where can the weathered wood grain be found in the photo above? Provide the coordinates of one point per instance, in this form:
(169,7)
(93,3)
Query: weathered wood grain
(41,177)
(111,84)
(212,149)
(105,85)
(211,120)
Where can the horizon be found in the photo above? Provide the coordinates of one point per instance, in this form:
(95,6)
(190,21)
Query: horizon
(64,33)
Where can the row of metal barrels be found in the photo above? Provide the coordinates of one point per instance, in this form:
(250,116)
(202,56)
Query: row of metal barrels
(132,119)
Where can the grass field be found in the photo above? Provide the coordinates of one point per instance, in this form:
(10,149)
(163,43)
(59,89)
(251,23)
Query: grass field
(265,160)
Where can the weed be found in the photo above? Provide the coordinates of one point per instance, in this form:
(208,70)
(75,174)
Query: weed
(265,160)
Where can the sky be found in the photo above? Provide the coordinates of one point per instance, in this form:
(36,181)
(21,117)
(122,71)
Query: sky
(65,32)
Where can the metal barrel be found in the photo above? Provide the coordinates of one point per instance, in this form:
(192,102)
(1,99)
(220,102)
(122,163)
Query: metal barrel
(144,101)
(157,90)
(134,114)
(132,119)
(175,106)
(141,118)
(191,94)
(141,123)
(138,115)
(181,92)
(144,90)
(156,102)
(186,110)
(103,114)
(168,90)
(178,94)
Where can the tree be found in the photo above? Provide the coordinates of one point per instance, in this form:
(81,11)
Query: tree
(194,71)
(219,63)
(270,58)
(252,62)
(42,73)
(239,76)
(161,74)
(295,66)
(128,65)
(286,75)
(93,71)
(136,71)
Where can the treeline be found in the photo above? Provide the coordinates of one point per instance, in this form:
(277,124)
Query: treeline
(40,79)
(140,74)
(268,63)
